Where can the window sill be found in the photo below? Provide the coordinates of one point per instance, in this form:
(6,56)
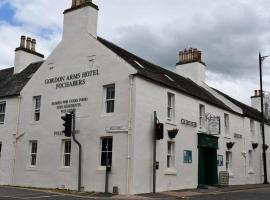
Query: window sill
(31,168)
(251,171)
(66,169)
(171,122)
(101,170)
(170,172)
(227,137)
(35,122)
(107,114)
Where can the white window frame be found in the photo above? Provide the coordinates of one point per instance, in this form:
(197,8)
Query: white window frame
(66,154)
(252,127)
(4,112)
(106,151)
(1,146)
(227,123)
(36,107)
(170,155)
(202,116)
(250,161)
(109,99)
(170,106)
(33,153)
(229,161)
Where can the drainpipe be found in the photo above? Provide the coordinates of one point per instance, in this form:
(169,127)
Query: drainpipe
(15,138)
(129,142)
(80,151)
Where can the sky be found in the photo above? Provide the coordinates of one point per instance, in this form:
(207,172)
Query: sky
(230,34)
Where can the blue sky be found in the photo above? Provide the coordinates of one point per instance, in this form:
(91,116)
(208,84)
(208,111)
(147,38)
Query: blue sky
(7,13)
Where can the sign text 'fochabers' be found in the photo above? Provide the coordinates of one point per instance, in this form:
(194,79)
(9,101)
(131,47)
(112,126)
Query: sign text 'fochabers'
(71,80)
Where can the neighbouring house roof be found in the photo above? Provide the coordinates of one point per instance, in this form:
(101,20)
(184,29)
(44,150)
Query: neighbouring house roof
(12,84)
(177,82)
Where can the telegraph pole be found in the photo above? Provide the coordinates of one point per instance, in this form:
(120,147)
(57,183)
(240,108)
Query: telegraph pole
(261,58)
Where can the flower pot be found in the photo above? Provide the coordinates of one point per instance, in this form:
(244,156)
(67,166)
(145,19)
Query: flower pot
(230,145)
(254,145)
(172,133)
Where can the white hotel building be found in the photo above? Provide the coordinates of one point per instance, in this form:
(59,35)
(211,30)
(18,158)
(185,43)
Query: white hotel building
(115,94)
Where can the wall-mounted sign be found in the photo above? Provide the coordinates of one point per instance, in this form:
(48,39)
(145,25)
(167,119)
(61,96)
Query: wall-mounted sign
(188,123)
(69,104)
(71,80)
(61,133)
(116,129)
(213,124)
(238,136)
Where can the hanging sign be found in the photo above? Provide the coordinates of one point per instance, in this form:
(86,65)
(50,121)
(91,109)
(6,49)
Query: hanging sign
(213,123)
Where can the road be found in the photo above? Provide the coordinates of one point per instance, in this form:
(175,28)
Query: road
(21,194)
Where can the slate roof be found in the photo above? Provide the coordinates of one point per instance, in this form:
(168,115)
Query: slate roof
(172,80)
(248,111)
(11,85)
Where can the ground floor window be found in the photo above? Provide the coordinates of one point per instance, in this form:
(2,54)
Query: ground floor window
(170,154)
(250,161)
(229,161)
(33,153)
(0,149)
(187,156)
(66,153)
(106,151)
(220,160)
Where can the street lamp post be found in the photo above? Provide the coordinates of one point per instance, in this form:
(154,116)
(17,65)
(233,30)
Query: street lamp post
(261,59)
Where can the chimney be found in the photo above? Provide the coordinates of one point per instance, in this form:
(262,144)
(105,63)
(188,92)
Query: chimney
(256,100)
(190,65)
(26,54)
(80,19)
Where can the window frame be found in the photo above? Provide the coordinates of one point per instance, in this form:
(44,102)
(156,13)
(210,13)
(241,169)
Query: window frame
(252,127)
(1,146)
(33,153)
(189,161)
(227,123)
(220,161)
(36,108)
(250,161)
(170,106)
(170,155)
(229,161)
(66,154)
(202,119)
(3,113)
(109,99)
(101,152)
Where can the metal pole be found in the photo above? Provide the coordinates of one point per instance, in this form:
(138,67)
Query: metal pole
(154,152)
(80,150)
(262,122)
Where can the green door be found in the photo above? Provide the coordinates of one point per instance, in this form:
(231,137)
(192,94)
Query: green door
(207,167)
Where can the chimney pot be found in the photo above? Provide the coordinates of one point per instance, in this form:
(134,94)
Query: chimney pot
(33,45)
(190,55)
(22,44)
(28,43)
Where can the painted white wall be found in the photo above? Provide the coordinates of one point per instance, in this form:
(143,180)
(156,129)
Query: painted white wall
(194,71)
(256,102)
(8,132)
(80,20)
(23,59)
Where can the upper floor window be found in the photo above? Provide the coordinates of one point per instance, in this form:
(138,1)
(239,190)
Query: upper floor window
(252,127)
(106,151)
(33,153)
(37,105)
(226,123)
(109,98)
(171,106)
(2,112)
(202,116)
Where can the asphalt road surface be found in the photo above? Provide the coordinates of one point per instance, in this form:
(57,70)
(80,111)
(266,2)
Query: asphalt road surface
(252,194)
(20,194)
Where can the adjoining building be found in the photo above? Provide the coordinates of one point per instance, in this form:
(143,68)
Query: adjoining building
(115,94)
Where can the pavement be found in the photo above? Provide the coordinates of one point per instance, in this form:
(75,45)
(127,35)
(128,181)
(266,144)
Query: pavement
(245,192)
